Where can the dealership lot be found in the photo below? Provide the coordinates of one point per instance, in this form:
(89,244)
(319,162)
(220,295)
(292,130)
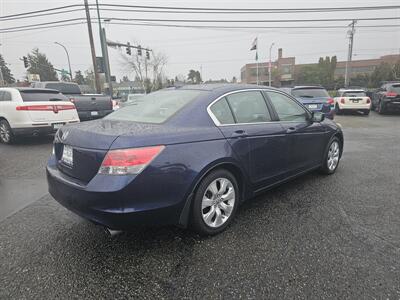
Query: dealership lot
(316,237)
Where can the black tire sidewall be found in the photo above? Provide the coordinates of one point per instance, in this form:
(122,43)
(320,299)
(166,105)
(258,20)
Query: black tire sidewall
(197,221)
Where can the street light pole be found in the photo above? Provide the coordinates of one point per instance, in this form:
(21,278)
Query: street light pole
(269,65)
(69,62)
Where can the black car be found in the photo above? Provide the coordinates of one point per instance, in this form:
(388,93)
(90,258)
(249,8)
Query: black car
(387,98)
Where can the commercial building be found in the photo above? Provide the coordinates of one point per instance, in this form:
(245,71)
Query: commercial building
(284,69)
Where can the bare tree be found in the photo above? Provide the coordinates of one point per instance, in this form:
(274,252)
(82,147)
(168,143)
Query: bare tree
(150,72)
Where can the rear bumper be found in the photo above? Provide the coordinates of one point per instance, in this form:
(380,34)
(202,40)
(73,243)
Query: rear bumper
(33,131)
(120,208)
(91,115)
(392,104)
(354,106)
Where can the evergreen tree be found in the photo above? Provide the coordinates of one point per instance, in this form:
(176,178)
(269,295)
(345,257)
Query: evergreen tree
(8,78)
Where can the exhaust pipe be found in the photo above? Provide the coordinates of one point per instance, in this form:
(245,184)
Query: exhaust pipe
(112,233)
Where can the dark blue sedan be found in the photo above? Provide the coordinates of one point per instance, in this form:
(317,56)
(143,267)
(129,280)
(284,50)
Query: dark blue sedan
(188,156)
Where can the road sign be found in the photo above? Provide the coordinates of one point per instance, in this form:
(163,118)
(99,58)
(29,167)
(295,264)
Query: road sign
(33,77)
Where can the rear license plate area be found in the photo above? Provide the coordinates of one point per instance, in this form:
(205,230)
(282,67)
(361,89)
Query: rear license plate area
(58,125)
(312,106)
(94,113)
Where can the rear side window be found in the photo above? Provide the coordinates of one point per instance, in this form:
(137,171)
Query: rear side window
(249,107)
(287,109)
(310,93)
(156,107)
(7,96)
(222,112)
(33,96)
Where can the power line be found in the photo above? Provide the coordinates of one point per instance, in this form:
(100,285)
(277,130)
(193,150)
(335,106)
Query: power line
(250,21)
(42,14)
(169,9)
(43,27)
(208,9)
(41,11)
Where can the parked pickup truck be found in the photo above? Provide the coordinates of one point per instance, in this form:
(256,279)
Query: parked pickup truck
(89,106)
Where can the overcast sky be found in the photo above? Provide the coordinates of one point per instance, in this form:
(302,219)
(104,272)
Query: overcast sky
(221,53)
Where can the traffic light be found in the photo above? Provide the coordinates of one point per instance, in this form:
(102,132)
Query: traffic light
(128,49)
(25,59)
(139,50)
(147,54)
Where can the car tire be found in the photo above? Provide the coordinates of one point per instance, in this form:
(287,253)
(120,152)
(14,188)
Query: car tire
(211,214)
(338,111)
(366,112)
(6,134)
(331,157)
(381,108)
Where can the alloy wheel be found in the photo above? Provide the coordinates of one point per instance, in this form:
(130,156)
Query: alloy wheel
(4,133)
(333,156)
(218,202)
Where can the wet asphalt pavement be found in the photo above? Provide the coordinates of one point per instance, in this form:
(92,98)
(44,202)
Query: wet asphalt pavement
(315,237)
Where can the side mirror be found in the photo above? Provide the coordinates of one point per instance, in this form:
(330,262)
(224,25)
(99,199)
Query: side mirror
(317,117)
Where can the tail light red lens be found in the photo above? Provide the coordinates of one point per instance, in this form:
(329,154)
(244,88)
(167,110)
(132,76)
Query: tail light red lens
(368,100)
(342,100)
(391,94)
(129,161)
(45,107)
(330,101)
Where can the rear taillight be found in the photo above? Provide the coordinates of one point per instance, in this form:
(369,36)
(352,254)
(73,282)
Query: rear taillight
(391,94)
(330,101)
(368,100)
(342,100)
(45,107)
(129,161)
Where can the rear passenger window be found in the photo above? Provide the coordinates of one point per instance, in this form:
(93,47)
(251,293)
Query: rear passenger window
(287,109)
(222,112)
(249,107)
(7,96)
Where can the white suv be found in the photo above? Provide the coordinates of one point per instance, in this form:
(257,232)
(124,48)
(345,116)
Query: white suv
(28,111)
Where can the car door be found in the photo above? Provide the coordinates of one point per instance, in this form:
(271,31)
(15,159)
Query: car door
(258,141)
(306,138)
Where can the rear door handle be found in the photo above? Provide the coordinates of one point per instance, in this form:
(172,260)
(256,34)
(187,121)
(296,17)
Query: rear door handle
(239,133)
(291,130)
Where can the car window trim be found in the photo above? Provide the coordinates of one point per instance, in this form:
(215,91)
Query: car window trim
(215,119)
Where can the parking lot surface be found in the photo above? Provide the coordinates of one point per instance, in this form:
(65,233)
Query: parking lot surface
(316,237)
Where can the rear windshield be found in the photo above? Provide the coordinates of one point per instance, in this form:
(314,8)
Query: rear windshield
(354,94)
(395,88)
(156,107)
(33,96)
(64,88)
(310,93)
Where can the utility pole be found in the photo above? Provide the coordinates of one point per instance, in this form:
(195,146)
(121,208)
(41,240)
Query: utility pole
(104,51)
(89,24)
(350,52)
(269,66)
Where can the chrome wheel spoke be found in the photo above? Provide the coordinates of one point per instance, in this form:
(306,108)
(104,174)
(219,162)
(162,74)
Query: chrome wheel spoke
(218,217)
(229,195)
(213,188)
(206,202)
(226,208)
(209,216)
(333,156)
